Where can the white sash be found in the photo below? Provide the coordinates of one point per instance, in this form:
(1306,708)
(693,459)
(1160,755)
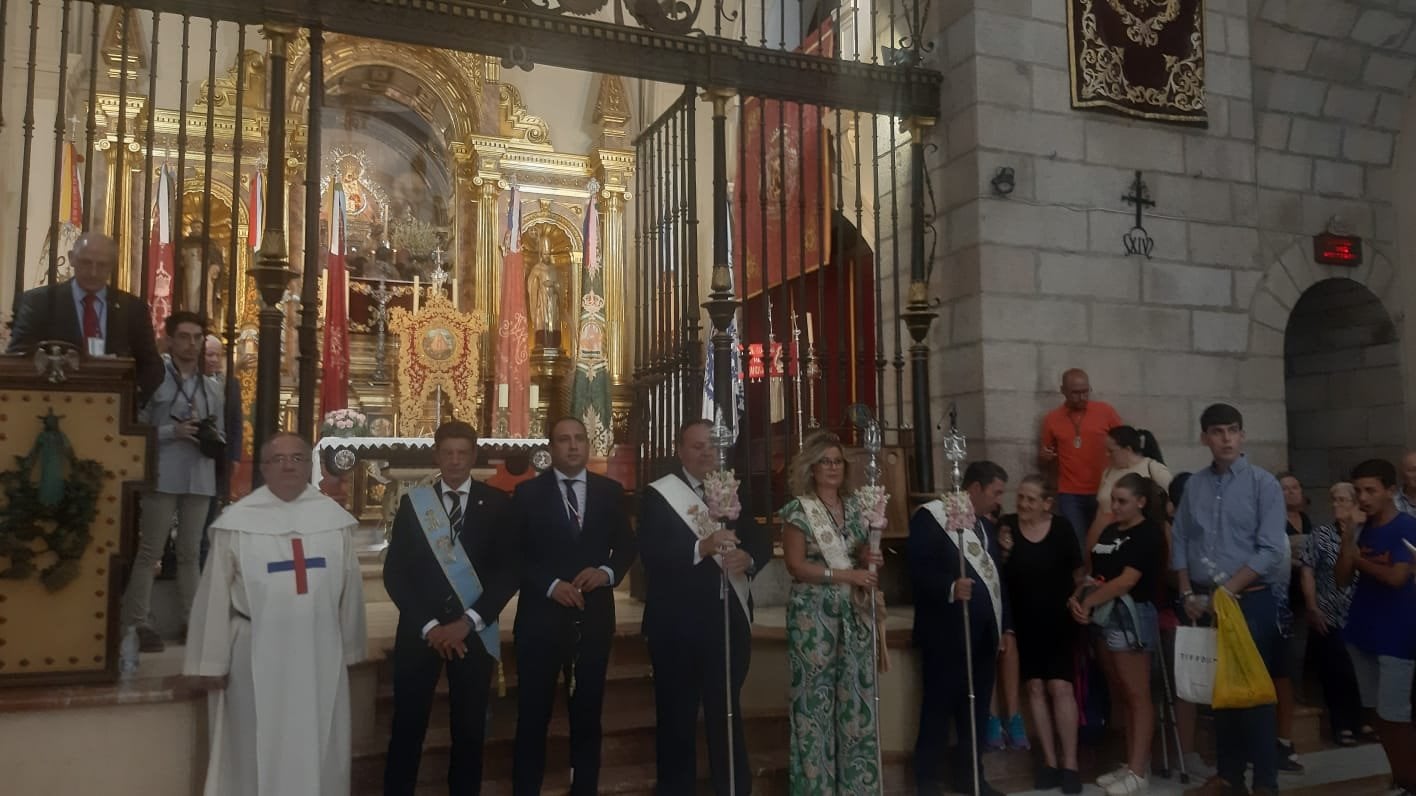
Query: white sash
(977,555)
(690,507)
(828,538)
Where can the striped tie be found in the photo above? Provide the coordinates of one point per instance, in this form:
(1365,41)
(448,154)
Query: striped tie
(454,513)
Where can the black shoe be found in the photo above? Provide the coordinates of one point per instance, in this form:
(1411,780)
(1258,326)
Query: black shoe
(1071,781)
(1047,778)
(1288,759)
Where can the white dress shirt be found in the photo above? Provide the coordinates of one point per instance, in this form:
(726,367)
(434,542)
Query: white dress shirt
(462,493)
(578,486)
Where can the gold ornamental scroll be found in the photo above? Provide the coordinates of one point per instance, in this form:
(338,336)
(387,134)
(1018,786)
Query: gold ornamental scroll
(438,346)
(59,621)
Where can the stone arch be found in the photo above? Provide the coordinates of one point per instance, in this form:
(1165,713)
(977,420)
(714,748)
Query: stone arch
(1290,276)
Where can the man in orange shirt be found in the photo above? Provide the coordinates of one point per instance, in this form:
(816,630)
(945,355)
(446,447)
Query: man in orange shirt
(1074,438)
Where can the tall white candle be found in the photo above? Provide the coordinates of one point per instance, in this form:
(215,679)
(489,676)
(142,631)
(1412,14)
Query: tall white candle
(535,394)
(454,292)
(417,291)
(810,335)
(503,395)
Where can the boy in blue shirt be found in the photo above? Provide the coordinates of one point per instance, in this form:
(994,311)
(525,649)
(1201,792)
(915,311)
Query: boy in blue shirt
(1381,625)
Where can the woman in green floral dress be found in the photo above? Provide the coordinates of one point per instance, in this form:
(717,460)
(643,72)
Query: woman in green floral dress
(835,746)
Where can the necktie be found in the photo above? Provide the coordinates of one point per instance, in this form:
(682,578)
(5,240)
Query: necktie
(454,513)
(572,502)
(91,316)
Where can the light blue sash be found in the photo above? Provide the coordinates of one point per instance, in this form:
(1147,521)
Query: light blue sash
(451,556)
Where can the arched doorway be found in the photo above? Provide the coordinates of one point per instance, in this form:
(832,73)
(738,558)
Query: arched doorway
(1343,384)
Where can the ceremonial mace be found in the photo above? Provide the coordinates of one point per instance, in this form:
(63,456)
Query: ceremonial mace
(722,439)
(955,451)
(862,418)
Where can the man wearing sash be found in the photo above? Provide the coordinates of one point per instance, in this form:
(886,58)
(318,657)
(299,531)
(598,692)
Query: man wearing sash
(576,545)
(451,568)
(683,618)
(934,554)
(278,617)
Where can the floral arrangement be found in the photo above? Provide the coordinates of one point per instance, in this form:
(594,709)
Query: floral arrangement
(959,511)
(873,500)
(345,423)
(720,492)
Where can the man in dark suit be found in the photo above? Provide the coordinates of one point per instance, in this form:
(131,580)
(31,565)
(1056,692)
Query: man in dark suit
(440,621)
(87,308)
(576,545)
(683,619)
(941,597)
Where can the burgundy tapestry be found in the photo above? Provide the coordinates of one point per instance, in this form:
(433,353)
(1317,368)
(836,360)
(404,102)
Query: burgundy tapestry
(1142,58)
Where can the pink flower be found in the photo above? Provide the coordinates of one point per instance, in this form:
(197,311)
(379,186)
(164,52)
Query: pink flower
(873,502)
(959,511)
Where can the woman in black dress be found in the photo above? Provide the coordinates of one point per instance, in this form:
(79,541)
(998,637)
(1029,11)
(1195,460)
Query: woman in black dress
(1043,566)
(1128,561)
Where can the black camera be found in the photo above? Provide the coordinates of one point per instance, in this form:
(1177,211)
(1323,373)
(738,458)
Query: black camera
(209,439)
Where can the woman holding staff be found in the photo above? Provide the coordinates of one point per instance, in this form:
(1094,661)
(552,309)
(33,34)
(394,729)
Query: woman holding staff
(825,538)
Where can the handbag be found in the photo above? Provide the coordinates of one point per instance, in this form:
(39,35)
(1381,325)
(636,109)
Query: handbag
(1196,658)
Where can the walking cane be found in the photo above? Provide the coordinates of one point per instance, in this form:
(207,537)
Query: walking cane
(968,673)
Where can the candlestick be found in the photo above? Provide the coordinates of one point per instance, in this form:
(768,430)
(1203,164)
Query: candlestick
(810,335)
(503,395)
(417,291)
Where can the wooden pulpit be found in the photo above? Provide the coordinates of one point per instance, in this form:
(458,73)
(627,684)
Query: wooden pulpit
(72,459)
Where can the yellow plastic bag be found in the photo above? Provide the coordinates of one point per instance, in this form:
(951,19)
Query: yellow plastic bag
(1240,679)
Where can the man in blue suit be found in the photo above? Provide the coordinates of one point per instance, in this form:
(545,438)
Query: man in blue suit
(576,545)
(941,598)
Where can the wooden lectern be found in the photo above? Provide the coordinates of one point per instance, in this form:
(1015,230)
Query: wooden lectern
(67,516)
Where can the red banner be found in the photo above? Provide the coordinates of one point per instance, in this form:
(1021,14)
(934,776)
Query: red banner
(334,380)
(783,191)
(513,341)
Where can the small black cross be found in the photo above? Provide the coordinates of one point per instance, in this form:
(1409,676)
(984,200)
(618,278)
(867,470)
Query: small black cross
(1137,240)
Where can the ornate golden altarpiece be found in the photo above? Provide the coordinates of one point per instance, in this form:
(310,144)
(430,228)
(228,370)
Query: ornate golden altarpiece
(491,140)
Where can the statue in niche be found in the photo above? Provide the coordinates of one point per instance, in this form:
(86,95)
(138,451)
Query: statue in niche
(543,289)
(195,278)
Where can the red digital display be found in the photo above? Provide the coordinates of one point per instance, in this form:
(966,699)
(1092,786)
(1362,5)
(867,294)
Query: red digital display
(1330,249)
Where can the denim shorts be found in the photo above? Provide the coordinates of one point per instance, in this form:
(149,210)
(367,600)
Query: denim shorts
(1123,633)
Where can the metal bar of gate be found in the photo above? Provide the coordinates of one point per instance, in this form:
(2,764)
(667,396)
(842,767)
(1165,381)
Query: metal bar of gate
(121,178)
(146,268)
(209,145)
(60,124)
(92,128)
(28,127)
(309,285)
(237,140)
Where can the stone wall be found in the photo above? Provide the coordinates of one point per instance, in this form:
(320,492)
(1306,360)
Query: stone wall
(1038,282)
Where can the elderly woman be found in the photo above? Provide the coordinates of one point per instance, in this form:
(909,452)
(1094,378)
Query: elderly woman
(829,642)
(1326,604)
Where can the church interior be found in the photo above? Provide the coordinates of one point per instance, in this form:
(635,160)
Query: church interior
(782,215)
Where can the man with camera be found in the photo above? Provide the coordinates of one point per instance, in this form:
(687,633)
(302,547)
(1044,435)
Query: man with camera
(186,410)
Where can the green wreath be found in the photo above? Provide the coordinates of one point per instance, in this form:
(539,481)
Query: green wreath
(51,515)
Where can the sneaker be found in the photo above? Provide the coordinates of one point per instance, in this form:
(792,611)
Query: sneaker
(149,640)
(1017,734)
(1071,781)
(1288,762)
(1111,776)
(1346,738)
(1196,766)
(1128,783)
(993,736)
(1047,778)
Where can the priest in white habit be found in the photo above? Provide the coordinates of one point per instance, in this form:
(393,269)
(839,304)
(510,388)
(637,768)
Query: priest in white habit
(278,618)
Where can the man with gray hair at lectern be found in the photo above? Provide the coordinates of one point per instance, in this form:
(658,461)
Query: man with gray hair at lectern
(278,619)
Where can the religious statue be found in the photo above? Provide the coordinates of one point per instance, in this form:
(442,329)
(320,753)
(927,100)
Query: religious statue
(195,278)
(543,290)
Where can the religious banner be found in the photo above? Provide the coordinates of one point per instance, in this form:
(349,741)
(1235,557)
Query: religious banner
(590,395)
(1139,58)
(513,342)
(438,346)
(161,265)
(334,376)
(784,184)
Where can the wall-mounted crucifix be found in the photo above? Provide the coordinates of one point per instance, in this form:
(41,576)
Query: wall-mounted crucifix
(1137,240)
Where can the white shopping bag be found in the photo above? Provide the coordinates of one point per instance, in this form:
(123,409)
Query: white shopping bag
(1195,661)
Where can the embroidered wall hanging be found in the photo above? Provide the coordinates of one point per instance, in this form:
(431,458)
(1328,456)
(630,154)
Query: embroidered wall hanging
(1141,58)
